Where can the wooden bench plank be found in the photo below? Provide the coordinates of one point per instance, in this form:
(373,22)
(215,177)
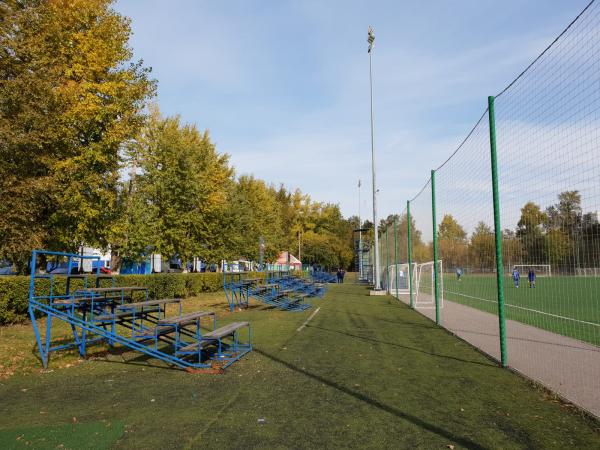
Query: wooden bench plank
(112,289)
(186,318)
(157,331)
(88,299)
(168,324)
(224,330)
(119,314)
(148,303)
(215,335)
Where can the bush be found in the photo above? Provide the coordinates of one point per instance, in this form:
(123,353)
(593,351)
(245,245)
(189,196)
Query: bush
(14,295)
(14,290)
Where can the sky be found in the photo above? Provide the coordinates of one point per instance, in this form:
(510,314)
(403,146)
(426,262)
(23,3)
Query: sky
(283,86)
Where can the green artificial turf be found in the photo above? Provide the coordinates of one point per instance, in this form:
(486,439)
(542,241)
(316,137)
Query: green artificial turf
(91,436)
(366,372)
(569,306)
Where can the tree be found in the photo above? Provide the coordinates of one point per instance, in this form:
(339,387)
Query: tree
(180,193)
(566,215)
(386,239)
(69,99)
(482,248)
(253,211)
(452,242)
(557,247)
(74,118)
(530,229)
(449,229)
(512,249)
(421,251)
(326,249)
(588,250)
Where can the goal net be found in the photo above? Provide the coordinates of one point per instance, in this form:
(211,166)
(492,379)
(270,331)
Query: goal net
(541,270)
(587,272)
(425,285)
(397,279)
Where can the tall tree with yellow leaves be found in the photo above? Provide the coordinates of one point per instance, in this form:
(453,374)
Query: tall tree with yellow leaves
(69,99)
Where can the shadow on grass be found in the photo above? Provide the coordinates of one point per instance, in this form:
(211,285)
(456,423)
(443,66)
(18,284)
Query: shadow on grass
(429,326)
(377,404)
(405,347)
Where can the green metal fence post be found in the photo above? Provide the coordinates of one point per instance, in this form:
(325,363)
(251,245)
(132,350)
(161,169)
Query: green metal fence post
(497,232)
(387,259)
(396,254)
(409,245)
(435,251)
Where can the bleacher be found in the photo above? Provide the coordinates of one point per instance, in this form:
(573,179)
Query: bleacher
(279,289)
(125,315)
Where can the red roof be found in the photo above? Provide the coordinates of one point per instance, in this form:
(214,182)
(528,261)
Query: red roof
(283,259)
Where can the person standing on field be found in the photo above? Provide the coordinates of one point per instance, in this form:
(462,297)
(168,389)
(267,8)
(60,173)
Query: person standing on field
(531,278)
(516,276)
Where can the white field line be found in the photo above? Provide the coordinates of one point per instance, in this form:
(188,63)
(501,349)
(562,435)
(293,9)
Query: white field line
(528,309)
(309,319)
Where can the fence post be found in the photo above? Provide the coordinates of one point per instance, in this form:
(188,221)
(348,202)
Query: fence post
(396,255)
(387,259)
(435,250)
(409,245)
(497,232)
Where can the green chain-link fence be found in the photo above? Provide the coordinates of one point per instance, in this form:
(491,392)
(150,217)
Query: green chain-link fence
(517,248)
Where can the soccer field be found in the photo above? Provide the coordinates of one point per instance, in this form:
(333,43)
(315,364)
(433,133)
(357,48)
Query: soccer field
(569,306)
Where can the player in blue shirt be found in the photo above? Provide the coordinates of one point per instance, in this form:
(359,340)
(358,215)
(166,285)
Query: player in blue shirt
(516,276)
(458,273)
(531,278)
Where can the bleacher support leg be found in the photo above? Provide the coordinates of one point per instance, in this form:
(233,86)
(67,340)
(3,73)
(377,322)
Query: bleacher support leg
(38,338)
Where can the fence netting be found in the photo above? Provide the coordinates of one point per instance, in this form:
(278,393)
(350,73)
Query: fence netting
(547,126)
(464,207)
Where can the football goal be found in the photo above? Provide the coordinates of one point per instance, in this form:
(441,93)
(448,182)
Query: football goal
(397,279)
(541,270)
(425,285)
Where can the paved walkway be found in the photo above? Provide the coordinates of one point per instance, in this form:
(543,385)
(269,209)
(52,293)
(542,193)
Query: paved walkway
(567,366)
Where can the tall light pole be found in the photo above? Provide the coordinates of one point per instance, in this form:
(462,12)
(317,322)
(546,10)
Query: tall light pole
(360,247)
(376,278)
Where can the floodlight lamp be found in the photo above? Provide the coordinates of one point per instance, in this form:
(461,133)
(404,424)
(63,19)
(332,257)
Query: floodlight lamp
(370,38)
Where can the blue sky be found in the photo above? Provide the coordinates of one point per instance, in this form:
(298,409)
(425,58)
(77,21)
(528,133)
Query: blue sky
(283,85)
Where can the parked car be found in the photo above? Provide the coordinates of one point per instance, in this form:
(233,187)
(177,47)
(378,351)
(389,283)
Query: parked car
(6,268)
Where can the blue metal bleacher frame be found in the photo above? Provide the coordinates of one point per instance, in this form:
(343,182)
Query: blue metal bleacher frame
(279,289)
(99,314)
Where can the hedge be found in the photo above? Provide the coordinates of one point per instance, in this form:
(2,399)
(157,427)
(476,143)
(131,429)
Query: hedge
(14,290)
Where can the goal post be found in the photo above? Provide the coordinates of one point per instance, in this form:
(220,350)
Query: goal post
(424,288)
(400,273)
(541,270)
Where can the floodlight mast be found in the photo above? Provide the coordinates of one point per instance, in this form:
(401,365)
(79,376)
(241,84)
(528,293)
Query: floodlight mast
(376,278)
(360,246)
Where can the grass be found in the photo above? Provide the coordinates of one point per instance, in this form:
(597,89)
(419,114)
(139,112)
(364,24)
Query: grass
(565,305)
(366,372)
(19,351)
